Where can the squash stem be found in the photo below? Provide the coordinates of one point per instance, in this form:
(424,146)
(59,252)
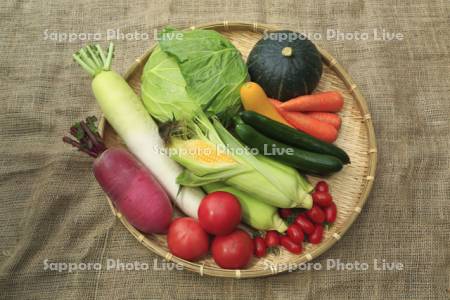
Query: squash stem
(286,51)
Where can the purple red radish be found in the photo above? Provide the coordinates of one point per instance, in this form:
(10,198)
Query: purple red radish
(131,186)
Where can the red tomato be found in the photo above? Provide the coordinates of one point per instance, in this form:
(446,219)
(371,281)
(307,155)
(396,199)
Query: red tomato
(322,186)
(219,213)
(284,212)
(322,199)
(187,239)
(295,233)
(232,251)
(290,245)
(330,213)
(305,224)
(260,246)
(272,238)
(316,214)
(317,235)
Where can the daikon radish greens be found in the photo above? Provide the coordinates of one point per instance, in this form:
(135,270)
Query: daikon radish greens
(127,115)
(186,82)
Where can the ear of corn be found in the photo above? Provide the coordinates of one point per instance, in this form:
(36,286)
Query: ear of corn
(255,213)
(216,156)
(303,183)
(285,179)
(200,156)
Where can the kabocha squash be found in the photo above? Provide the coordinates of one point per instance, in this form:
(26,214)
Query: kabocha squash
(286,64)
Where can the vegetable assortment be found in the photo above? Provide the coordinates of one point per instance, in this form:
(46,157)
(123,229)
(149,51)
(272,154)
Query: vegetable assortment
(305,226)
(225,149)
(314,114)
(309,125)
(255,99)
(197,139)
(125,112)
(305,161)
(291,136)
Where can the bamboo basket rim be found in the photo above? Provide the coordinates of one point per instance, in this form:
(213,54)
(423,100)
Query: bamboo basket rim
(202,269)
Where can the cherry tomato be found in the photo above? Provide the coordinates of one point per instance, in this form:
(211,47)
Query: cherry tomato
(317,235)
(260,246)
(219,213)
(323,199)
(232,251)
(187,239)
(316,214)
(295,233)
(305,224)
(290,245)
(322,186)
(272,238)
(284,212)
(330,213)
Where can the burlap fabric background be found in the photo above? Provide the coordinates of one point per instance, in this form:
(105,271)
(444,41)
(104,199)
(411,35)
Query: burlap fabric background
(51,207)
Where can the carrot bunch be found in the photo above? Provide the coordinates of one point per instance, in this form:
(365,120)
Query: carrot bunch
(314,114)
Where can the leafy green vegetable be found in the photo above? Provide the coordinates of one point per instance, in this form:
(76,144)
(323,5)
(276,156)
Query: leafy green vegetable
(191,79)
(164,89)
(211,66)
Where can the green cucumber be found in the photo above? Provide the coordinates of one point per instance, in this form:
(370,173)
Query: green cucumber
(291,136)
(305,161)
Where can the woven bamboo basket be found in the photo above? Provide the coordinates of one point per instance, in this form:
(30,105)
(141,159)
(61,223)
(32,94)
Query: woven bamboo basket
(350,187)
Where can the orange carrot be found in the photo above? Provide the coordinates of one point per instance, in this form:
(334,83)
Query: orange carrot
(330,118)
(318,129)
(328,101)
(275,102)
